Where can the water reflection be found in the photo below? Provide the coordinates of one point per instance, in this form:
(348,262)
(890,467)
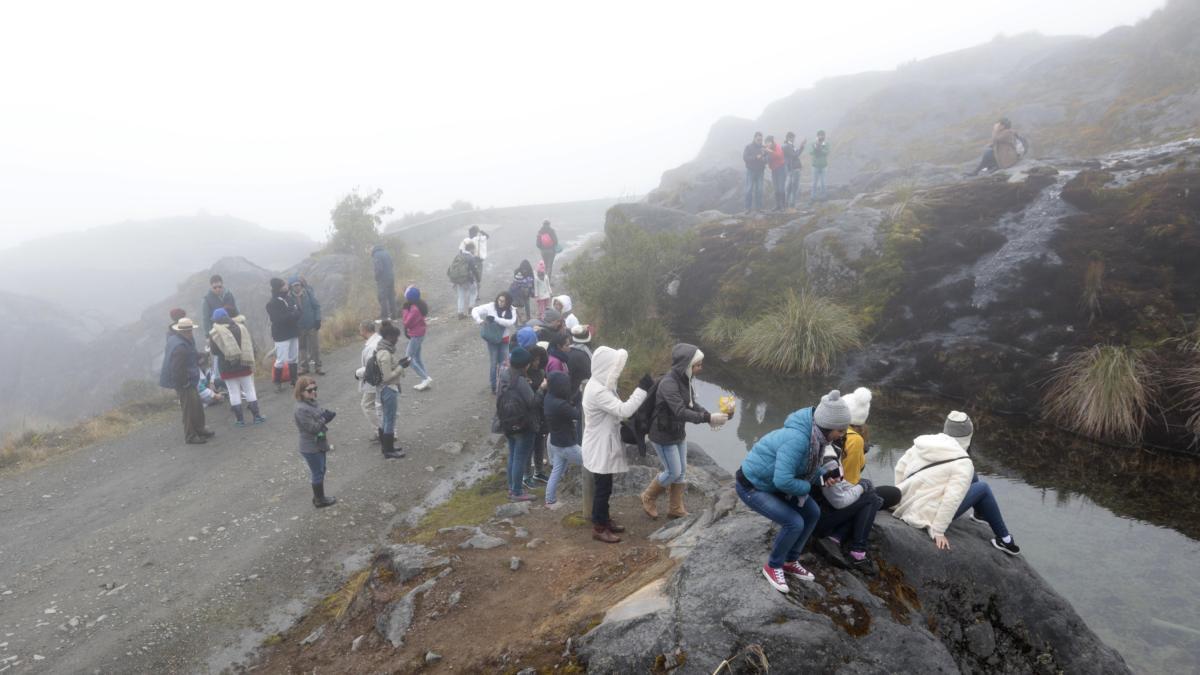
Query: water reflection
(1108,532)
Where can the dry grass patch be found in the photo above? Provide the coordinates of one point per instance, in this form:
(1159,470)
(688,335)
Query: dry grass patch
(805,334)
(1104,392)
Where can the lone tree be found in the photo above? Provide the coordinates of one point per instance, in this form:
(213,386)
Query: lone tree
(356,220)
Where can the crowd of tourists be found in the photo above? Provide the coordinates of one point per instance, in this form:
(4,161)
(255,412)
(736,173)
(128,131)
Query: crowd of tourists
(557,405)
(785,162)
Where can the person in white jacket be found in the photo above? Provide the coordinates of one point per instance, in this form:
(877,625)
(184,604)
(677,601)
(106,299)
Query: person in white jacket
(497,324)
(479,239)
(603,450)
(937,484)
(372,409)
(562,303)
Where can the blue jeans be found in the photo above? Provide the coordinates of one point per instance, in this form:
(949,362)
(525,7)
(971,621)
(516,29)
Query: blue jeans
(818,190)
(754,189)
(463,293)
(414,352)
(796,521)
(779,183)
(316,466)
(674,460)
(793,187)
(519,448)
(979,497)
(390,398)
(559,459)
(496,355)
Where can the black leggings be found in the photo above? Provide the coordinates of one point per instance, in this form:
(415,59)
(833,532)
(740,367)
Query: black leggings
(603,483)
(853,521)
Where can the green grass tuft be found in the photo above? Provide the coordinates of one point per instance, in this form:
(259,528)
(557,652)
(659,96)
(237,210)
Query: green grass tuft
(1105,392)
(806,334)
(721,331)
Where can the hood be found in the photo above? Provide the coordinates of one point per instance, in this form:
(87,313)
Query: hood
(800,419)
(683,357)
(607,364)
(560,385)
(565,300)
(937,447)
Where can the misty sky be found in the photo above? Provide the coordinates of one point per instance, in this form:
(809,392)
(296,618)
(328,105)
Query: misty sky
(270,111)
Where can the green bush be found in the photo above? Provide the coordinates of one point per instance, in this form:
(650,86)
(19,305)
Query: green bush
(1104,392)
(805,334)
(721,331)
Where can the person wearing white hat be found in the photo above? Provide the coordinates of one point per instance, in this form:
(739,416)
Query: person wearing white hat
(181,372)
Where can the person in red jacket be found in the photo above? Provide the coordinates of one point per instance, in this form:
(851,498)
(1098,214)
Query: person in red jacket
(414,312)
(778,163)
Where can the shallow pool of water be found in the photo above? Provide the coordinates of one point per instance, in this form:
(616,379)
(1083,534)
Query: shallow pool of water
(1135,583)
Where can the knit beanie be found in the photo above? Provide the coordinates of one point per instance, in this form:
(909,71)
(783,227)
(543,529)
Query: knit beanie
(832,412)
(519,358)
(959,427)
(412,294)
(177,314)
(526,337)
(220,313)
(859,404)
(278,284)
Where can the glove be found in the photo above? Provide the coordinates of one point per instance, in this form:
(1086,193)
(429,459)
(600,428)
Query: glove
(405,362)
(646,382)
(328,415)
(717,419)
(317,325)
(867,485)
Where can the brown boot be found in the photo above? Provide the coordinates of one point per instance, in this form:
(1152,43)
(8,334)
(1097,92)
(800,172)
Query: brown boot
(601,533)
(614,527)
(675,497)
(650,498)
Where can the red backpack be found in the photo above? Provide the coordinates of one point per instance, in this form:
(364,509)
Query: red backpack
(545,240)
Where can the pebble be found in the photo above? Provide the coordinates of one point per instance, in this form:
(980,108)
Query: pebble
(514,564)
(432,657)
(454,598)
(520,533)
(451,448)
(357,643)
(534,543)
(314,636)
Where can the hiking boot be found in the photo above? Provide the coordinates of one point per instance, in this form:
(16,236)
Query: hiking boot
(650,498)
(602,533)
(1010,548)
(776,578)
(614,527)
(388,447)
(797,570)
(520,498)
(319,499)
(675,498)
(205,433)
(860,562)
(239,423)
(529,483)
(541,478)
(259,419)
(829,548)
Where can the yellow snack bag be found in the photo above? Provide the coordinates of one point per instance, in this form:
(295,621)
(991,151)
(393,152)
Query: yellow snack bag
(727,404)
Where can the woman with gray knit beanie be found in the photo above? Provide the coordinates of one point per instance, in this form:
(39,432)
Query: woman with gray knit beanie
(777,476)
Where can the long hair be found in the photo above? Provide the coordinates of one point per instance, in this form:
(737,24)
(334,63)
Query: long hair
(508,304)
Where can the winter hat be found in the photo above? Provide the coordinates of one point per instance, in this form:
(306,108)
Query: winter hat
(581,334)
(184,325)
(177,314)
(220,313)
(959,427)
(526,336)
(519,358)
(541,266)
(832,412)
(412,294)
(859,404)
(551,316)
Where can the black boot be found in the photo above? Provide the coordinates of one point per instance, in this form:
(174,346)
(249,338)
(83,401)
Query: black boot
(277,378)
(319,499)
(258,418)
(388,445)
(237,412)
(378,437)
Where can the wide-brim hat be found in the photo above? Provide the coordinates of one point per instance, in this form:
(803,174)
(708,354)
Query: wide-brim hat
(581,334)
(184,325)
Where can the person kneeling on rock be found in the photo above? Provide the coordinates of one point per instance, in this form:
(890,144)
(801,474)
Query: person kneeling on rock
(937,484)
(777,476)
(312,421)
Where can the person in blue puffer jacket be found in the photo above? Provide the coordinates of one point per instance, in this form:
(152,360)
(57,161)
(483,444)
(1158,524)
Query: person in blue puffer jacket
(777,476)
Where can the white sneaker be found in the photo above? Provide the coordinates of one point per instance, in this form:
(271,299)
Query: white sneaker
(423,384)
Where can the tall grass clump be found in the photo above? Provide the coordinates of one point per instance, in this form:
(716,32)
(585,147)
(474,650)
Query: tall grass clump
(721,331)
(805,334)
(1104,392)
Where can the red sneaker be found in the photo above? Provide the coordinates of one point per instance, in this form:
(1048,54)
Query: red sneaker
(797,570)
(776,578)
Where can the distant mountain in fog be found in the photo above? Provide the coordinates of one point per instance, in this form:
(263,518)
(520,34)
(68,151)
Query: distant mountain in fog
(109,274)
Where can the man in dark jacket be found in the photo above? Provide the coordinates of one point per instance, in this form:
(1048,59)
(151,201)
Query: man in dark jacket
(310,325)
(385,281)
(793,156)
(216,298)
(579,366)
(520,443)
(284,314)
(547,243)
(755,157)
(181,372)
(675,406)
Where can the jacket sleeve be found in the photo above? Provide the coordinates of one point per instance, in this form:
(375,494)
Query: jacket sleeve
(309,421)
(668,391)
(901,470)
(612,404)
(479,313)
(316,305)
(855,460)
(787,465)
(509,322)
(952,495)
(390,368)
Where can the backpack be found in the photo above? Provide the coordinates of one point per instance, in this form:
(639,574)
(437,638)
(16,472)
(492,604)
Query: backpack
(511,412)
(459,270)
(372,373)
(545,240)
(634,429)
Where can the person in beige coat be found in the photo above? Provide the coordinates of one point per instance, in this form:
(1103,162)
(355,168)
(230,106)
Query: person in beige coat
(603,451)
(937,483)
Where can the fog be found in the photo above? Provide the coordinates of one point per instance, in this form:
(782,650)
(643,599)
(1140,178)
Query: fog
(270,111)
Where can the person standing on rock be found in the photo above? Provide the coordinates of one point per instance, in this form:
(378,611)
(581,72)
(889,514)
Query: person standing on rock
(541,289)
(562,417)
(820,162)
(547,243)
(385,281)
(313,423)
(464,275)
(389,389)
(284,314)
(517,412)
(755,158)
(603,451)
(369,402)
(414,312)
(793,156)
(309,325)
(937,484)
(776,478)
(230,342)
(521,288)
(181,372)
(674,407)
(479,242)
(778,163)
(497,323)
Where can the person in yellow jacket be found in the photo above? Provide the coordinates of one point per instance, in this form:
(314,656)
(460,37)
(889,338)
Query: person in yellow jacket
(854,445)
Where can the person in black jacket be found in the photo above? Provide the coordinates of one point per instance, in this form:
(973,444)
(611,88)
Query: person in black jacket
(520,441)
(675,406)
(285,331)
(755,158)
(579,365)
(385,282)
(547,243)
(562,416)
(536,374)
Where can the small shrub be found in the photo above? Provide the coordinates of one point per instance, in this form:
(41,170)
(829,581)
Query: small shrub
(1104,392)
(806,334)
(721,331)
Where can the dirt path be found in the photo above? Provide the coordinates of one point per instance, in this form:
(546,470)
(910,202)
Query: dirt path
(147,555)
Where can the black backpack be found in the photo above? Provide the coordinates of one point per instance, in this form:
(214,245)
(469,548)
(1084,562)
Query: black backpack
(511,412)
(372,373)
(634,430)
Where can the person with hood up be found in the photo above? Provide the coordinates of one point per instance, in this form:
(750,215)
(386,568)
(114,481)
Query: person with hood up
(389,389)
(777,477)
(547,243)
(230,342)
(541,289)
(562,417)
(309,325)
(936,481)
(602,449)
(754,156)
(557,348)
(777,161)
(414,312)
(181,372)
(385,281)
(284,314)
(674,407)
(313,423)
(562,303)
(518,406)
(527,337)
(497,324)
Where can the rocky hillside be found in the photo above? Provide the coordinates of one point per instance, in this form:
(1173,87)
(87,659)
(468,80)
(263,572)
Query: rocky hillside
(1132,86)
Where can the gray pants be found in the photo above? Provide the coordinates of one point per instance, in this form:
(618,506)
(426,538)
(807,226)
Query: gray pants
(310,350)
(372,409)
(193,413)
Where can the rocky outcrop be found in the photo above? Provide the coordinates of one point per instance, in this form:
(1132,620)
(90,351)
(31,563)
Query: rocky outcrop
(650,217)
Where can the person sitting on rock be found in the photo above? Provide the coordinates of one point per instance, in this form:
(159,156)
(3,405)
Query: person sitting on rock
(937,485)
(777,476)
(1003,151)
(853,445)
